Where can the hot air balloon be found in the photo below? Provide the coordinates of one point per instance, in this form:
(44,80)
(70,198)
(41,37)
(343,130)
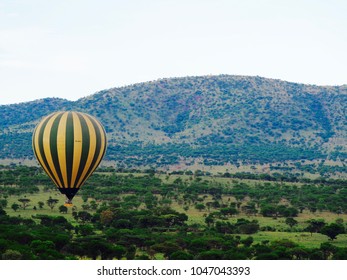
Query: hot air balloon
(69,146)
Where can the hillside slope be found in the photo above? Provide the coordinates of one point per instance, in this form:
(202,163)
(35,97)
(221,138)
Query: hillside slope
(216,119)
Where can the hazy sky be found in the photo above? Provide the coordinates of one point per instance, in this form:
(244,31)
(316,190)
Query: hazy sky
(74,48)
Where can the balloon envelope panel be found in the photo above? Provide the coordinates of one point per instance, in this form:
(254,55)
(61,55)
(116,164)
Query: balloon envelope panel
(69,146)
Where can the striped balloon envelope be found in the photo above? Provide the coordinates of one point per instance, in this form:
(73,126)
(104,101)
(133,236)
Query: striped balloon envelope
(69,146)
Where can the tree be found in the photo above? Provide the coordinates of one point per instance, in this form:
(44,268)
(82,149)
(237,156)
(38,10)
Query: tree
(268,210)
(291,222)
(228,211)
(51,202)
(130,252)
(167,247)
(11,255)
(52,221)
(84,216)
(25,202)
(41,204)
(181,255)
(3,203)
(75,215)
(84,230)
(118,251)
(200,206)
(45,250)
(85,206)
(93,204)
(249,209)
(15,206)
(248,241)
(95,247)
(106,217)
(288,211)
(247,227)
(209,220)
(165,201)
(224,227)
(210,255)
(2,212)
(62,209)
(315,225)
(332,230)
(84,198)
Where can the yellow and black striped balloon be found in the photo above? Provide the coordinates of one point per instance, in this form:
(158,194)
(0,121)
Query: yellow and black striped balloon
(69,146)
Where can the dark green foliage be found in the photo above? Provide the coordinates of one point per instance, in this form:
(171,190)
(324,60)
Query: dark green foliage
(63,209)
(181,255)
(25,240)
(242,226)
(18,180)
(246,227)
(269,210)
(291,222)
(332,230)
(315,225)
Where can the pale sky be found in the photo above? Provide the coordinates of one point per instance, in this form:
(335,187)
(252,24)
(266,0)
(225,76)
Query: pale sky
(74,48)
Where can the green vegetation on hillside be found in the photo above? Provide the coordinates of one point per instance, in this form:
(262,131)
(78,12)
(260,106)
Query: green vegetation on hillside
(217,119)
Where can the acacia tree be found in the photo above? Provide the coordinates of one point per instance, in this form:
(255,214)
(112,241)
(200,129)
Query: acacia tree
(25,202)
(332,230)
(51,202)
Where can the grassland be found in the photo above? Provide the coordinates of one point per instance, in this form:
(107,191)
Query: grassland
(42,196)
(280,229)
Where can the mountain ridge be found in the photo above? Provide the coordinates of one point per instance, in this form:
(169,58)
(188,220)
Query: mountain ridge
(216,119)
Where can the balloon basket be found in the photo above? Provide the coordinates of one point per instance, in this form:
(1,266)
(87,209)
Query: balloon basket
(68,203)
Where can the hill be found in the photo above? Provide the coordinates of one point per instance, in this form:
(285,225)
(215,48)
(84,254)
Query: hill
(212,120)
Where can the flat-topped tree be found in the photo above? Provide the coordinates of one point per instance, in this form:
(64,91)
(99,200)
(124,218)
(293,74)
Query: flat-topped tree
(51,202)
(25,202)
